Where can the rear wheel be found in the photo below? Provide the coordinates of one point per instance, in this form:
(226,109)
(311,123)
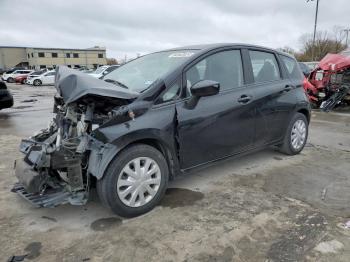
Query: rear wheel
(37,82)
(23,81)
(296,135)
(135,181)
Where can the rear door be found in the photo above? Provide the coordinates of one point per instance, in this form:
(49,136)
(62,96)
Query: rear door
(220,125)
(49,78)
(273,98)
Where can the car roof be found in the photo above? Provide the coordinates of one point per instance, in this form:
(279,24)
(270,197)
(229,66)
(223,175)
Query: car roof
(209,47)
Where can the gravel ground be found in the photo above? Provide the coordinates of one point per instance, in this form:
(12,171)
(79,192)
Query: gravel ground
(261,207)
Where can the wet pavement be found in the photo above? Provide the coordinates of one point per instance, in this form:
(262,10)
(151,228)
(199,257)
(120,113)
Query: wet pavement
(261,207)
(31,111)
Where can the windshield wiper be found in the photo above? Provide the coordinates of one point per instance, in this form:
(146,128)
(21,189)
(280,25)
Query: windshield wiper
(116,82)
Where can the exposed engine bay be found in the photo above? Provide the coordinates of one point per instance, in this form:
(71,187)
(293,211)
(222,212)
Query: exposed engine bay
(328,85)
(59,160)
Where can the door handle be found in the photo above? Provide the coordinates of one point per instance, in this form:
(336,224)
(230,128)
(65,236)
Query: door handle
(244,99)
(287,88)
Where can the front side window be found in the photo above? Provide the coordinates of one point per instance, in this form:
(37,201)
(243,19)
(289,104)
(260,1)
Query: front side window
(224,67)
(265,66)
(139,74)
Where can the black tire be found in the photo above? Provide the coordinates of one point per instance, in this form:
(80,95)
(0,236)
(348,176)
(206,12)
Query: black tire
(37,82)
(10,80)
(287,147)
(23,81)
(107,186)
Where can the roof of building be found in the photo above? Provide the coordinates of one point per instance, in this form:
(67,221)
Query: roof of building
(97,48)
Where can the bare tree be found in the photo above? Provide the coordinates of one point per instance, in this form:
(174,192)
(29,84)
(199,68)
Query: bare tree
(325,42)
(112,61)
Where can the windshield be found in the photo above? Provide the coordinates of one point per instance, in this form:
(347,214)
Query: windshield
(100,70)
(139,74)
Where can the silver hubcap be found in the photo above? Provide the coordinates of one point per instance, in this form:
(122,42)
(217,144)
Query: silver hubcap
(138,182)
(298,135)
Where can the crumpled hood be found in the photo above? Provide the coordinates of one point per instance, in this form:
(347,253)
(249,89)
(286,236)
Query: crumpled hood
(334,62)
(73,85)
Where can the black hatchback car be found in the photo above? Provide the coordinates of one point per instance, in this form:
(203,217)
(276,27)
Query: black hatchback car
(6,98)
(160,115)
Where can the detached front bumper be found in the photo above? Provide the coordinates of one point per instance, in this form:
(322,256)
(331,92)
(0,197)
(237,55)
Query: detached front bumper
(37,181)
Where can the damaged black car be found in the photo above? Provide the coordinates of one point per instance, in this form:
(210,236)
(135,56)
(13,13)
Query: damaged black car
(158,116)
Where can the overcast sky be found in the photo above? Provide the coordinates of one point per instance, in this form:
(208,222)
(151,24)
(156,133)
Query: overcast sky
(131,27)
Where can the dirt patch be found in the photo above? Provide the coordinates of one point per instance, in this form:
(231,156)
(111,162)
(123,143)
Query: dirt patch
(33,249)
(104,224)
(297,241)
(179,197)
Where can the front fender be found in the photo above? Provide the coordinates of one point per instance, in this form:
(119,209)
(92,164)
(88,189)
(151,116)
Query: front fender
(156,125)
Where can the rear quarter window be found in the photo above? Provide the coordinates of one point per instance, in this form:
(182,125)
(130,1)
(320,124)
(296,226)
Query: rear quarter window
(293,69)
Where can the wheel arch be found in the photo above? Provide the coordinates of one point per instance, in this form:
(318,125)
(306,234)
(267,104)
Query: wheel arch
(306,113)
(99,162)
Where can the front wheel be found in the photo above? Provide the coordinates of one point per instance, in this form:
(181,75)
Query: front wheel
(135,181)
(296,135)
(37,82)
(10,80)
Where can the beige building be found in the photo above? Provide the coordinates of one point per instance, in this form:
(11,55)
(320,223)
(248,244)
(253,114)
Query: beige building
(37,57)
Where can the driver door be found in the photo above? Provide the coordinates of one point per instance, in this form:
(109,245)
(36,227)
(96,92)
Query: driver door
(220,125)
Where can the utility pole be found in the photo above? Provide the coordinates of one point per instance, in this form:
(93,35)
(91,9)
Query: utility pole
(315,27)
(347,36)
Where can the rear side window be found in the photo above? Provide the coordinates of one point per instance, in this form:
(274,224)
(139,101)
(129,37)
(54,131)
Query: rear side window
(292,66)
(265,66)
(224,67)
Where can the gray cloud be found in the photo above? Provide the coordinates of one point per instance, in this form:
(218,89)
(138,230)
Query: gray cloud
(130,27)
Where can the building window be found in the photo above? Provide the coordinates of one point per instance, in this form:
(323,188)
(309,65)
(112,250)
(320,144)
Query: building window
(40,54)
(42,66)
(75,55)
(54,55)
(28,56)
(68,55)
(32,55)
(100,55)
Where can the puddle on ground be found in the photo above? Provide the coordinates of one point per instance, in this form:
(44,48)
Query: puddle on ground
(277,158)
(33,249)
(21,107)
(179,197)
(29,100)
(49,218)
(104,224)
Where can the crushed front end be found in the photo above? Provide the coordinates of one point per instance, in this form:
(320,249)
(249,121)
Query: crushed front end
(57,166)
(329,84)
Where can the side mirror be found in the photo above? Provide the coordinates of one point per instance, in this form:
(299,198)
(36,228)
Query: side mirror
(205,88)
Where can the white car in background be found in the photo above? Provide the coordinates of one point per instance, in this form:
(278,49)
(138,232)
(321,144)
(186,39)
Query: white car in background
(103,70)
(10,78)
(47,78)
(35,74)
